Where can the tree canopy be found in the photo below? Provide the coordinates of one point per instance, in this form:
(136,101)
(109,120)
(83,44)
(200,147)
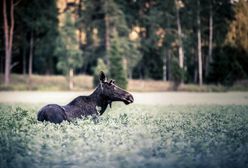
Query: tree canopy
(176,40)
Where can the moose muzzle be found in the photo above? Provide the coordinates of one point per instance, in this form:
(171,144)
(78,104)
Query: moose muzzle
(128,99)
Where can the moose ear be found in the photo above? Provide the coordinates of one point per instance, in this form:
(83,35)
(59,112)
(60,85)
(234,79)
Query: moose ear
(102,76)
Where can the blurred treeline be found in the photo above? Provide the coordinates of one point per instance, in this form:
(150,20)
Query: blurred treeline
(186,41)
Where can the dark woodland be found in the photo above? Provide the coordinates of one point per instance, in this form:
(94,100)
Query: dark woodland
(185,41)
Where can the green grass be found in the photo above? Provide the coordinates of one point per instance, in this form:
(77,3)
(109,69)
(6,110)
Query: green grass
(128,136)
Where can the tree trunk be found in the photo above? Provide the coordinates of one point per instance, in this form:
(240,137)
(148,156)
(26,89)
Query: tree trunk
(49,68)
(169,66)
(107,38)
(2,65)
(30,69)
(8,34)
(30,63)
(165,65)
(24,61)
(79,38)
(210,46)
(180,43)
(88,45)
(199,51)
(127,69)
(71,85)
(179,32)
(7,69)
(130,74)
(80,29)
(195,73)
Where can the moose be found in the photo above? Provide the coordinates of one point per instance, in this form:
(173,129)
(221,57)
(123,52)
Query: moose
(93,105)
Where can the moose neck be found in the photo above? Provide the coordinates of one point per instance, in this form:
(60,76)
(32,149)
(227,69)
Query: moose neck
(99,99)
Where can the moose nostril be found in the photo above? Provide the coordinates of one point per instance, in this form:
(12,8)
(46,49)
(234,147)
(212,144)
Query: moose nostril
(130,97)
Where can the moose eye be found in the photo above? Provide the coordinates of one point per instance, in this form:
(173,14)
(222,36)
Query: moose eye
(111,82)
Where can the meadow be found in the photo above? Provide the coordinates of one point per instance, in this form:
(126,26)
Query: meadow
(128,136)
(84,82)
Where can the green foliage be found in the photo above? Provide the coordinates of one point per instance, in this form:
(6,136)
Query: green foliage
(69,55)
(101,66)
(116,68)
(178,74)
(38,18)
(116,16)
(146,15)
(132,55)
(238,30)
(229,65)
(154,21)
(120,46)
(128,136)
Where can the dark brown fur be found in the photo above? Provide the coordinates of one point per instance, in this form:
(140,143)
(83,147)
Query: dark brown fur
(94,104)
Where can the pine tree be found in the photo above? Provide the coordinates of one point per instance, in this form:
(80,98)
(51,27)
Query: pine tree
(101,66)
(117,71)
(37,27)
(8,37)
(116,42)
(69,55)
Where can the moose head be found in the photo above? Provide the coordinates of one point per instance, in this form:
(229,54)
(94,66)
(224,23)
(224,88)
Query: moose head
(112,92)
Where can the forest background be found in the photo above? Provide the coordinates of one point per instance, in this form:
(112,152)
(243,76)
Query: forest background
(182,42)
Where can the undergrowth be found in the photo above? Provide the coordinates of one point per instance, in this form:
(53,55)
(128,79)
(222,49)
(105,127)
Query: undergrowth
(127,136)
